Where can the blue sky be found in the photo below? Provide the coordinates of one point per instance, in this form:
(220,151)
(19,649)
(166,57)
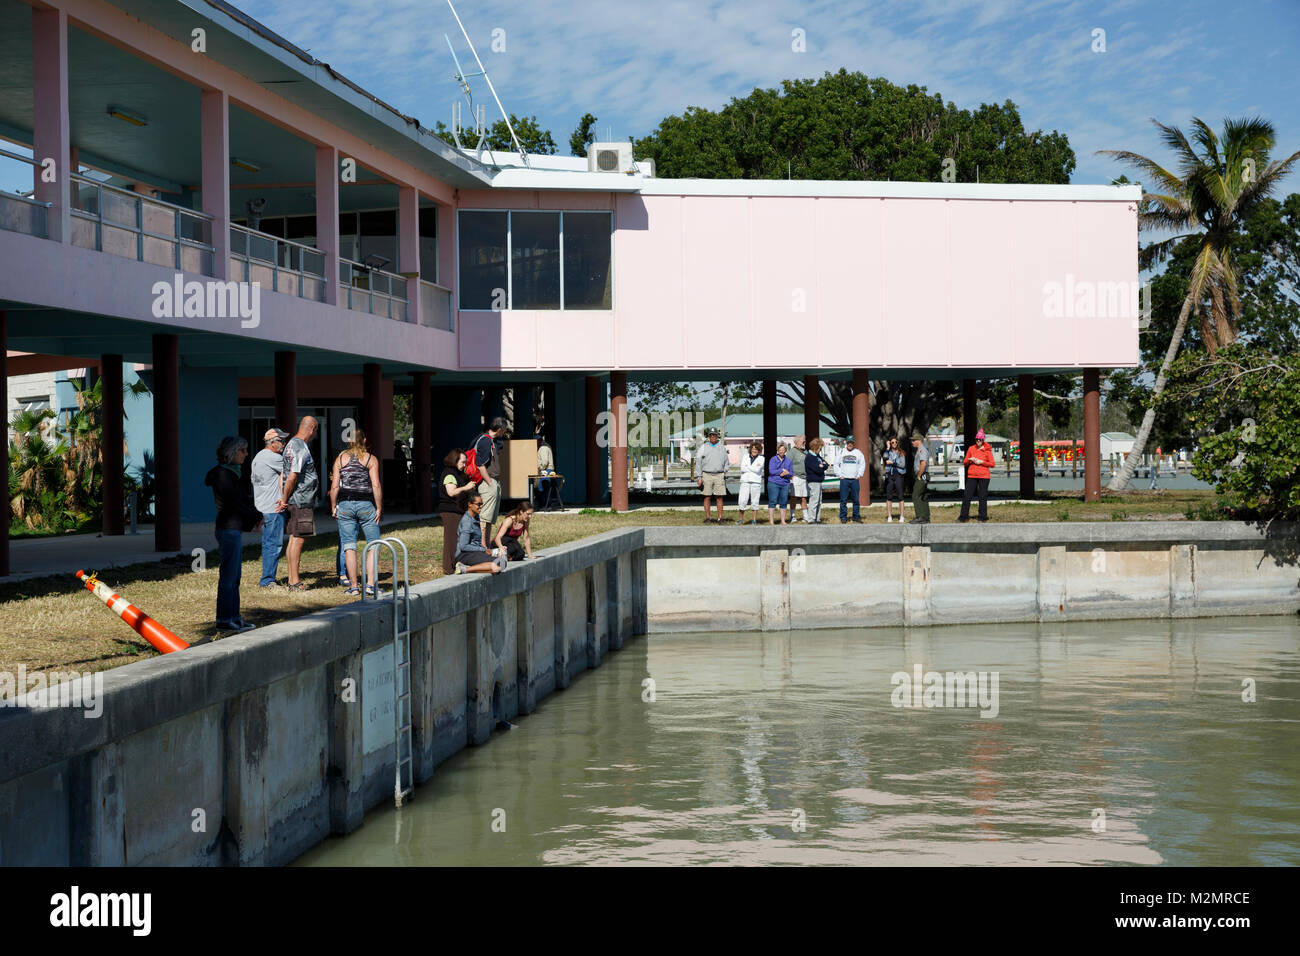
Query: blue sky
(632,63)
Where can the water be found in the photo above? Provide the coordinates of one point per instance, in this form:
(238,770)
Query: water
(787,749)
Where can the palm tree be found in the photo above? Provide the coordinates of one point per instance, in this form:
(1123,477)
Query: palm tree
(35,467)
(1218,182)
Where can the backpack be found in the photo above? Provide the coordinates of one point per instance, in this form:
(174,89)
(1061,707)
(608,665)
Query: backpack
(472,470)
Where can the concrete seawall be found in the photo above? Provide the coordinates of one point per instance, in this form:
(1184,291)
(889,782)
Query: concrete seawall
(774,578)
(252,749)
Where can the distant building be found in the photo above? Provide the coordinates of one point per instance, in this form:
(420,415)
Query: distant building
(1120,443)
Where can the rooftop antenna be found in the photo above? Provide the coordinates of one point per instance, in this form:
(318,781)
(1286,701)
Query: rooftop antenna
(463,78)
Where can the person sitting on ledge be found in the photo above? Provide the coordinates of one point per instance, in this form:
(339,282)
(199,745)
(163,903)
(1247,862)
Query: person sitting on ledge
(512,537)
(471,558)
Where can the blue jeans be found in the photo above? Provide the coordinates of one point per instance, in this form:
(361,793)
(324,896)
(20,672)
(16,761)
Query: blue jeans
(848,492)
(356,518)
(230,543)
(778,495)
(272,545)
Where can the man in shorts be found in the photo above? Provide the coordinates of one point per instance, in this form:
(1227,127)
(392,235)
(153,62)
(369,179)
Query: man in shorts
(301,484)
(799,480)
(713,474)
(488,459)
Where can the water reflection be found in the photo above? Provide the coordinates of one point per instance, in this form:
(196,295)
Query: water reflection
(750,735)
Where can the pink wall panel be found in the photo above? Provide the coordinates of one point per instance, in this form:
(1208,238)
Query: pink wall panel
(648,327)
(916,280)
(1108,339)
(850,287)
(1044,253)
(981,236)
(784,244)
(717,281)
(498,339)
(575,340)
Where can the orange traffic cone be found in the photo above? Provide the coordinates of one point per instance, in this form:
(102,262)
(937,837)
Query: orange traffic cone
(153,632)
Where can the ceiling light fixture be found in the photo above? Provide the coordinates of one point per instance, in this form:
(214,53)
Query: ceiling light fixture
(245,164)
(126,116)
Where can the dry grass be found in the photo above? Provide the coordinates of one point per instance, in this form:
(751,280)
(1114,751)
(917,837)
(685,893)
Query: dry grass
(54,623)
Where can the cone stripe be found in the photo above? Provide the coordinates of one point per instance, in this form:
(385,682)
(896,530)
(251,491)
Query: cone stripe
(153,632)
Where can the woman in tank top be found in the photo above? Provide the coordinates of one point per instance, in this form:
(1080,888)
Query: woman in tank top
(357,500)
(513,534)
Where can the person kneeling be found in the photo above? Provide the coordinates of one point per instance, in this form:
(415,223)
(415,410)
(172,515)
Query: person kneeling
(512,537)
(470,554)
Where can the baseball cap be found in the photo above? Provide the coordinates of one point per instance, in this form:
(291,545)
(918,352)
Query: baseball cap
(711,432)
(274,434)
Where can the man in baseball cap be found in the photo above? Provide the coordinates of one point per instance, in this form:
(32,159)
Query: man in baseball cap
(268,474)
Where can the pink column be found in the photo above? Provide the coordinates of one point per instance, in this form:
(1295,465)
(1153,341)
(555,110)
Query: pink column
(408,253)
(327,217)
(215,145)
(50,135)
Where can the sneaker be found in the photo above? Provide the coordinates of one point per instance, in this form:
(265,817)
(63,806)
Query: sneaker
(460,568)
(902,520)
(501,562)
(241,625)
(890,520)
(962,518)
(273,586)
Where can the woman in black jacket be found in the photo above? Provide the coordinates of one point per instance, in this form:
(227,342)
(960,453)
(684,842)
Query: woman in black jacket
(235,515)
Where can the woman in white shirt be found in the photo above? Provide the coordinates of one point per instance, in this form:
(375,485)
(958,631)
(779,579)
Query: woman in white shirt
(751,480)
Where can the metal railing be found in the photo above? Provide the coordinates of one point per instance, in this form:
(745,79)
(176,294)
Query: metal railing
(435,306)
(364,289)
(279,265)
(25,214)
(127,224)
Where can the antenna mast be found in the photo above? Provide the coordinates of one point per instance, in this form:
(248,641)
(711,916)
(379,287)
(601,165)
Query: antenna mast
(462,77)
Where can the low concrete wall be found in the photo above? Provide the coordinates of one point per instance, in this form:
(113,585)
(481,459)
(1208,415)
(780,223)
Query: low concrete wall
(254,748)
(774,578)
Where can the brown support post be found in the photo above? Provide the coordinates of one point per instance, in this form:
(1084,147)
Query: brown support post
(372,389)
(862,428)
(1091,434)
(594,406)
(422,442)
(110,373)
(812,399)
(618,440)
(166,442)
(286,391)
(770,437)
(4,451)
(969,412)
(1026,385)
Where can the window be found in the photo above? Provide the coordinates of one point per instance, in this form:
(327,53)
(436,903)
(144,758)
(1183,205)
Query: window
(555,260)
(429,243)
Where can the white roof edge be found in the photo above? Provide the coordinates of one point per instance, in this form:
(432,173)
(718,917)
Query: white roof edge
(583,181)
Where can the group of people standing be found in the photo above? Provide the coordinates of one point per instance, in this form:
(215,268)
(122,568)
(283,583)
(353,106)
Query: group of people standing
(794,477)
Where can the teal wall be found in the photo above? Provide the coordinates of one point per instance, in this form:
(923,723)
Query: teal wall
(209,411)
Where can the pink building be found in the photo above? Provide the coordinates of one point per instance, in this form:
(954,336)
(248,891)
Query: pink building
(386,261)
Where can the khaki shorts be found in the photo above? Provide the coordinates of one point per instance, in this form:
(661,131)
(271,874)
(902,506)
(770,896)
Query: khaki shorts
(715,485)
(798,487)
(300,522)
(491,493)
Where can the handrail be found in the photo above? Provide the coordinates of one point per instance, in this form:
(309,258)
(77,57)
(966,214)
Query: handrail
(31,161)
(302,246)
(392,288)
(283,256)
(197,214)
(184,222)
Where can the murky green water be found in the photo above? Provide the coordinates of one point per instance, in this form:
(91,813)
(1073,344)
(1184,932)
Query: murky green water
(787,749)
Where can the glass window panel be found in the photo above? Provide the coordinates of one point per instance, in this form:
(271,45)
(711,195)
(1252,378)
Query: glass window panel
(535,260)
(587,275)
(382,222)
(428,222)
(300,229)
(482,258)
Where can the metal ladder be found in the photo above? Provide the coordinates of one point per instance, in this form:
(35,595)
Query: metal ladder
(404,755)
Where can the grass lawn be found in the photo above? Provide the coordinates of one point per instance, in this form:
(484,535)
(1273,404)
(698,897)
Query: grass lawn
(55,623)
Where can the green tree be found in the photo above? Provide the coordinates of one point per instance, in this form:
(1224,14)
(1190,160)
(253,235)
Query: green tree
(532,137)
(1218,183)
(583,136)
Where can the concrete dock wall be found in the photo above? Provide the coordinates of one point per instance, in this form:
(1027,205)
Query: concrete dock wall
(799,577)
(253,749)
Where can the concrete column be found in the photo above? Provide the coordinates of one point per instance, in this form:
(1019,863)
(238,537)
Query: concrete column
(969,411)
(215,140)
(770,436)
(371,413)
(286,391)
(166,442)
(1026,436)
(447,277)
(51,138)
(862,428)
(422,443)
(774,590)
(111,443)
(1091,434)
(4,445)
(346,770)
(327,217)
(408,248)
(594,402)
(618,440)
(812,396)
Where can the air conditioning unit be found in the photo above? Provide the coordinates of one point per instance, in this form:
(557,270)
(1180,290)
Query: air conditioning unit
(610,158)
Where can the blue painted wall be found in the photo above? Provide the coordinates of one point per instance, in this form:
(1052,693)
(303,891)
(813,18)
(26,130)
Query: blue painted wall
(209,411)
